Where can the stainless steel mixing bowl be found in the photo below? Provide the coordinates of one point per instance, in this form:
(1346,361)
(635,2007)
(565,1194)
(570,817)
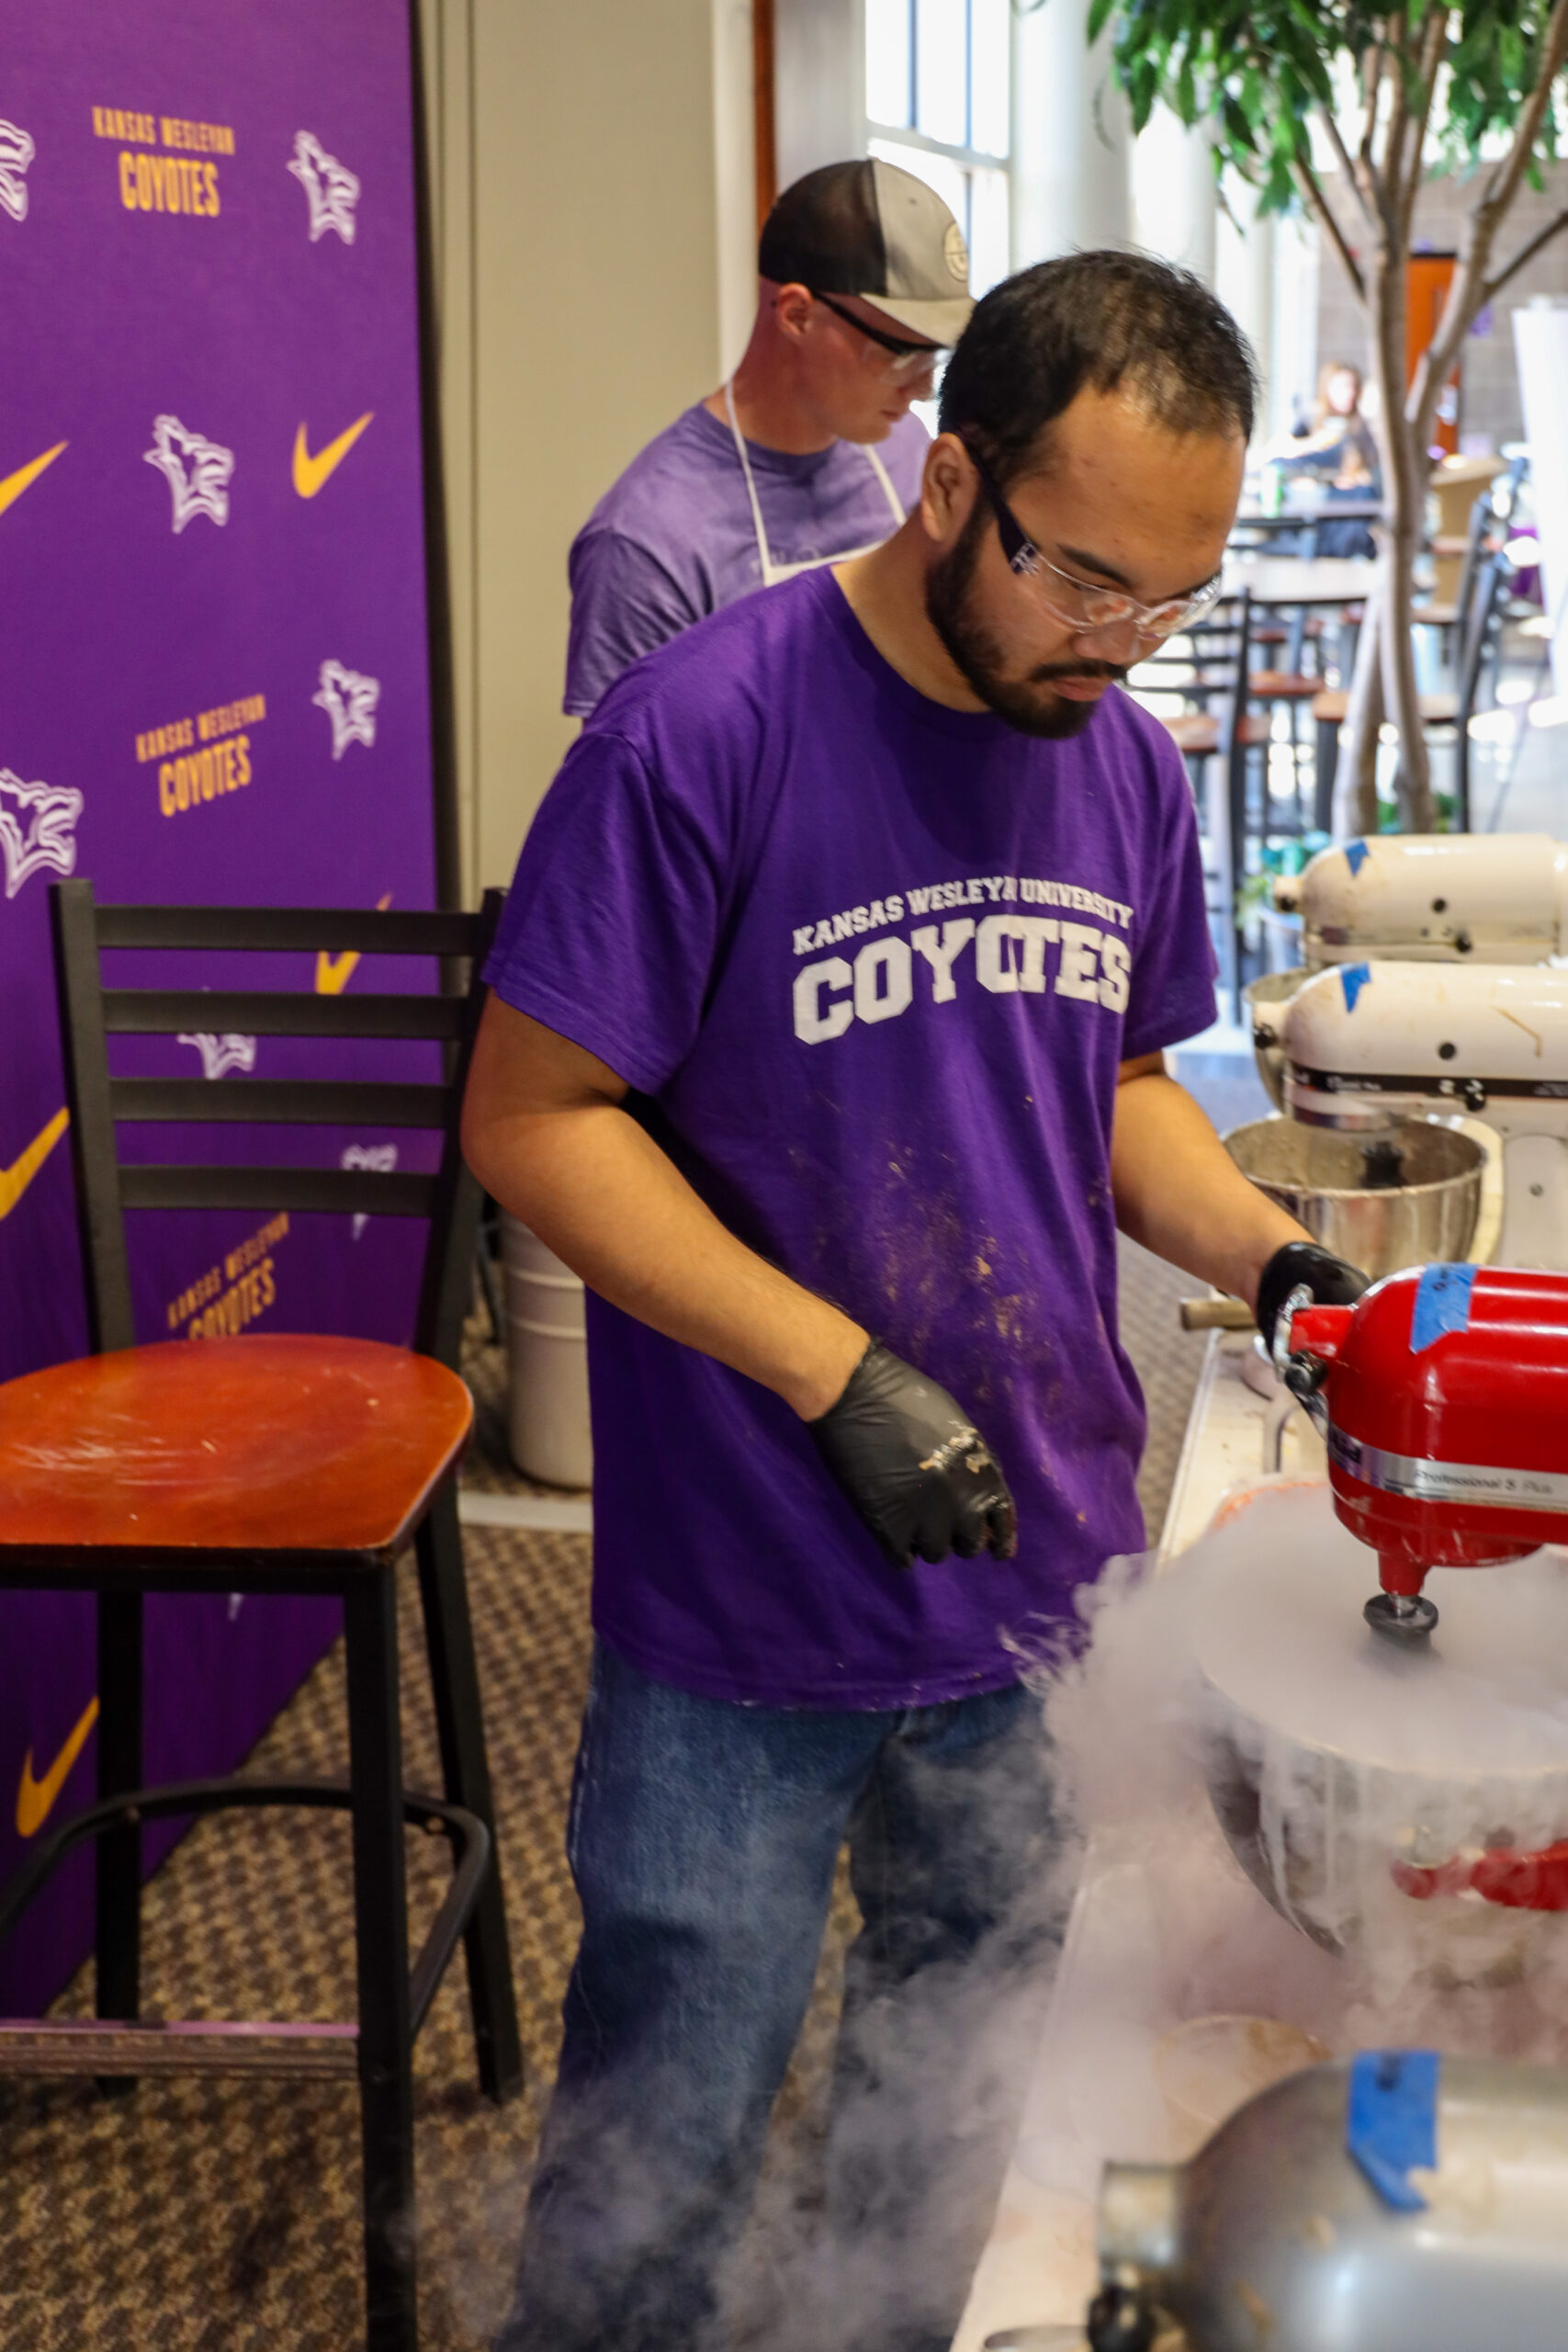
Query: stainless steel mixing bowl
(1382,1198)
(1334,1763)
(1266,1001)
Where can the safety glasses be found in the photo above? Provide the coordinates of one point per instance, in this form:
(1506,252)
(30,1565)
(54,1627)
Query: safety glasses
(1087,609)
(900,360)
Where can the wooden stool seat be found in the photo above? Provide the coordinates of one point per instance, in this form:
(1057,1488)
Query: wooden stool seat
(1329,707)
(1283,685)
(284,1443)
(1196,734)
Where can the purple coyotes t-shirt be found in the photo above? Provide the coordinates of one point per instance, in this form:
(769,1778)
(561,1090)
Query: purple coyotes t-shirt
(674,540)
(870,966)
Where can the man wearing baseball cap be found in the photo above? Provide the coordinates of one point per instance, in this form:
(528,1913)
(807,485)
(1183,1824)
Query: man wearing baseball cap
(808,454)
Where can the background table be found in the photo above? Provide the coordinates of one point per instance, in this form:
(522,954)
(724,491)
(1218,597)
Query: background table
(1251,517)
(1291,579)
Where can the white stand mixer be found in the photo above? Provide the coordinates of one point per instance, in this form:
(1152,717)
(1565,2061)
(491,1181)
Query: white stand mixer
(1380,1035)
(1432,897)
(1368,1044)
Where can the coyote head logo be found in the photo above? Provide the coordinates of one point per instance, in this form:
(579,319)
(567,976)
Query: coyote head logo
(16,152)
(196,471)
(36,822)
(331,188)
(220,1055)
(350,703)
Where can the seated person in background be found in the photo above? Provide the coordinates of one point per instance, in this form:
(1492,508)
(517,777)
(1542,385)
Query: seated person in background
(865,284)
(1339,449)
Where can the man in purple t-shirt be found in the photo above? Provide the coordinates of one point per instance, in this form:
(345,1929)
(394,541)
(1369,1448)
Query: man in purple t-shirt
(809,453)
(825,1044)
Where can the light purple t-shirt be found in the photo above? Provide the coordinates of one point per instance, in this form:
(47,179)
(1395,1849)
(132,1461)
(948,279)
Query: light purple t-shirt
(674,540)
(870,966)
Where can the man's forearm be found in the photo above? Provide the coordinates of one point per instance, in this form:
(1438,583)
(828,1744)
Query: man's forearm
(597,1190)
(1179,1192)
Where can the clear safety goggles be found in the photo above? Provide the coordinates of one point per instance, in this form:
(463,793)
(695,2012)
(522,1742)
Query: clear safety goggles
(1086,609)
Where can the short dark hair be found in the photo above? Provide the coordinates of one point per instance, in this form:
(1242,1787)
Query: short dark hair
(1097,319)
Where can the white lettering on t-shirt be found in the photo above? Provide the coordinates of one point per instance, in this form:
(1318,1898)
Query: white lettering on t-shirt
(992,889)
(1117,966)
(884,981)
(1093,967)
(1000,972)
(955,938)
(814,1023)
(1077,975)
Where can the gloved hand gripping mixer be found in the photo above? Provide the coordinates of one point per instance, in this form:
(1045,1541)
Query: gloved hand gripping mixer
(1442,1397)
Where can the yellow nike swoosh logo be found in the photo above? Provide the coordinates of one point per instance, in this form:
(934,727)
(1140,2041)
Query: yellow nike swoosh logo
(35,1799)
(23,478)
(334,973)
(15,1180)
(310,473)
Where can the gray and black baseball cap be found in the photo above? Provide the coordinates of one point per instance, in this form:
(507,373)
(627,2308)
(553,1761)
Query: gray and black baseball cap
(869,229)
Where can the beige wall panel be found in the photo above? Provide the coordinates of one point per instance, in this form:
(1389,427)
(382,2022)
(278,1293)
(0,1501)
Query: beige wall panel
(596,319)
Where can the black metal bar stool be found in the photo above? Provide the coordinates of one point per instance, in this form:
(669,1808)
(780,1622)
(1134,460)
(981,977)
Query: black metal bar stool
(283,1464)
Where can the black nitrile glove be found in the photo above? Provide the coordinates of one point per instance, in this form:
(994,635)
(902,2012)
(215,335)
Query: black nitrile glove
(1331,1282)
(914,1466)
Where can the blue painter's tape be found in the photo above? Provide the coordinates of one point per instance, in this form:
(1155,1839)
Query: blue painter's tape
(1442,1304)
(1356,855)
(1391,2121)
(1353,978)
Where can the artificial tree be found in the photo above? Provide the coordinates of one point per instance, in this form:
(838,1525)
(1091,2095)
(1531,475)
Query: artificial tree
(1394,95)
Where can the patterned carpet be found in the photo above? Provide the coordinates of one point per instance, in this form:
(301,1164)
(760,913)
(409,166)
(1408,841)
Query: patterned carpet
(222,2217)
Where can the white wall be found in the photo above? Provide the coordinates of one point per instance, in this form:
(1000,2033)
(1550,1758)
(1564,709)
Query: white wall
(595,225)
(1175,203)
(819,84)
(1071,139)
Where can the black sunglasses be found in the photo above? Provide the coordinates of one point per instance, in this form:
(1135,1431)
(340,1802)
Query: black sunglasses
(912,355)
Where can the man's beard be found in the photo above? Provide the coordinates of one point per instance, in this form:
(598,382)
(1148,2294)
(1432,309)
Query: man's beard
(974,650)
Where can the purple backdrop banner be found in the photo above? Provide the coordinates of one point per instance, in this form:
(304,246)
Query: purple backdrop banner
(214,688)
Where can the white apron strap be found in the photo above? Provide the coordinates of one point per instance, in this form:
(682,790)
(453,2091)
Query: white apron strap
(883,476)
(774,573)
(768,573)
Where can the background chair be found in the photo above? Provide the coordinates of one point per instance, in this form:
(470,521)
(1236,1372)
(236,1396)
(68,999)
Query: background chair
(287,1463)
(1227,757)
(1447,715)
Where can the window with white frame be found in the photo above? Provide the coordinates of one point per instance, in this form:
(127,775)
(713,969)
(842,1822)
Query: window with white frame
(936,103)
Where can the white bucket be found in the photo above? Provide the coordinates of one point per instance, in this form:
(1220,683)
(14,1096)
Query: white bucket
(547,1354)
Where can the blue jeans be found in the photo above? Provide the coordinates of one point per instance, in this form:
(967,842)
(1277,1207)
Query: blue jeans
(702,1839)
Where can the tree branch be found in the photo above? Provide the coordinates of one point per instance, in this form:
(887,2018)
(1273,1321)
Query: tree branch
(1371,89)
(1471,286)
(1323,212)
(1526,254)
(1389,181)
(1434,41)
(1503,182)
(1347,164)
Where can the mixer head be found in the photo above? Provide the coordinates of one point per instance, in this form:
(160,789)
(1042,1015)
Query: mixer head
(1446,897)
(1442,1395)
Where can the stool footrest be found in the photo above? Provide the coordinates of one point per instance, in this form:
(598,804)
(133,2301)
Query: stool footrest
(104,2046)
(469,1838)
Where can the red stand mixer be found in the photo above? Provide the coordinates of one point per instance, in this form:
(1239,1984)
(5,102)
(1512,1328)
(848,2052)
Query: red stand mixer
(1442,1397)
